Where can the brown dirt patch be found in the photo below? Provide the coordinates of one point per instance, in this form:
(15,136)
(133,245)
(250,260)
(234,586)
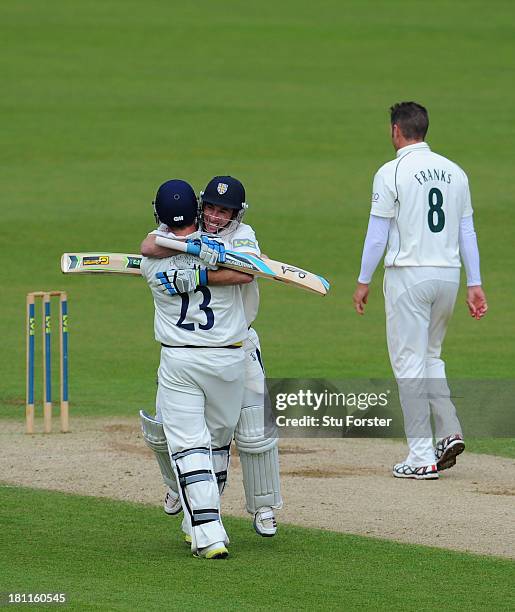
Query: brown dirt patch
(288,450)
(340,485)
(331,472)
(506,492)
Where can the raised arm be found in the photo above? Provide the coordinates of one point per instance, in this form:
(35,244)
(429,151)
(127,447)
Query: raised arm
(149,248)
(224,276)
(228,277)
(173,281)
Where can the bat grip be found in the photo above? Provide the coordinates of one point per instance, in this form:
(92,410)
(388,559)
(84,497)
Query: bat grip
(178,245)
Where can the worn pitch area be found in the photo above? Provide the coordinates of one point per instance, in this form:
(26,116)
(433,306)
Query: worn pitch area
(340,485)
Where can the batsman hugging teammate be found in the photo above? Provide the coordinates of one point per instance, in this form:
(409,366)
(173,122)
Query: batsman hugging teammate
(422,214)
(221,209)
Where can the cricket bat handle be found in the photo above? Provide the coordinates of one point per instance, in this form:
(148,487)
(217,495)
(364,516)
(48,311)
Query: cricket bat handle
(178,245)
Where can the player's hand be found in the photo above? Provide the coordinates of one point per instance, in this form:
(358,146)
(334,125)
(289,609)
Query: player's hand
(476,302)
(212,252)
(360,298)
(181,281)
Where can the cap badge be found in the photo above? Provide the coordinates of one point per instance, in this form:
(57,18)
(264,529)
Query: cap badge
(222,188)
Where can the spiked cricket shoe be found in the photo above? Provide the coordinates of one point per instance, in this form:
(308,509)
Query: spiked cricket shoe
(264,522)
(425,472)
(213,551)
(172,503)
(447,450)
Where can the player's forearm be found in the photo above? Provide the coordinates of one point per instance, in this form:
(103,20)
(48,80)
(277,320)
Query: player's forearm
(469,251)
(224,276)
(149,248)
(228,277)
(373,249)
(172,281)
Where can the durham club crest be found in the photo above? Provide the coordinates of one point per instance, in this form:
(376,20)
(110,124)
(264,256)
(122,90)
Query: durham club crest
(222,188)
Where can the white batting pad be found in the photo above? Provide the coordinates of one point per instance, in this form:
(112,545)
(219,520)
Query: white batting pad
(155,439)
(259,459)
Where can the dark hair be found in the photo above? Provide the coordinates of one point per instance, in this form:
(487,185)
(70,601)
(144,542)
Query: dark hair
(412,118)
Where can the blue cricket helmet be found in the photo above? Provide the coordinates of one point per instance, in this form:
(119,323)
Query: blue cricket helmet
(176,204)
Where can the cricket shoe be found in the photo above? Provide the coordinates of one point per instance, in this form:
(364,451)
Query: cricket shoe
(172,503)
(213,551)
(264,522)
(447,450)
(424,472)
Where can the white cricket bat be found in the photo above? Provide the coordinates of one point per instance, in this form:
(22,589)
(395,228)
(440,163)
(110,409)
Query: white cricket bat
(250,264)
(257,266)
(114,263)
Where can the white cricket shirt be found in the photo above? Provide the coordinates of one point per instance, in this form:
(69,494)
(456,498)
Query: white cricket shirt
(425,195)
(209,316)
(244,240)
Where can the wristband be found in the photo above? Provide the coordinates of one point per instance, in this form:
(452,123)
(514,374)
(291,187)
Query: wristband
(202,277)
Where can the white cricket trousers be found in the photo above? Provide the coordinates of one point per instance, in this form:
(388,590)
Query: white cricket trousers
(199,397)
(419,302)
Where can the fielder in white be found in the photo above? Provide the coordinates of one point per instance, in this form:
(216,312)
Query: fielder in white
(222,206)
(422,214)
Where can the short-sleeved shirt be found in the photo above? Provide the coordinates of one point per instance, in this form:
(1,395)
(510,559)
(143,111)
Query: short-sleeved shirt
(242,240)
(425,195)
(209,316)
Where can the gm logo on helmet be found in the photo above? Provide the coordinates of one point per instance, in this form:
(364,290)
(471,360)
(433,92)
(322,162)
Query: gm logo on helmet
(222,188)
(181,218)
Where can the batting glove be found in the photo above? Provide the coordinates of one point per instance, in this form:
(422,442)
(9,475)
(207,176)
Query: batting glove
(211,252)
(181,281)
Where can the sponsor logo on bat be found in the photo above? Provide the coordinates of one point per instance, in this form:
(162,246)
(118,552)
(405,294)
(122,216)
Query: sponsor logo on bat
(96,260)
(134,262)
(241,263)
(300,273)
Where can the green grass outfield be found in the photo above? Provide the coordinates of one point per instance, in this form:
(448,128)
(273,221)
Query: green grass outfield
(102,101)
(121,556)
